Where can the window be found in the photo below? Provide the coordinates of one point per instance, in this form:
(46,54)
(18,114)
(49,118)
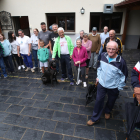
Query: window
(65,20)
(99,20)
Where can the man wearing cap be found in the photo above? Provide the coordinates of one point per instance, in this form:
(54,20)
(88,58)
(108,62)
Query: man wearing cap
(96,44)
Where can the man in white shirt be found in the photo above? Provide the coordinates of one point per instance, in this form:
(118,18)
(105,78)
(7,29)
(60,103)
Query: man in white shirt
(24,48)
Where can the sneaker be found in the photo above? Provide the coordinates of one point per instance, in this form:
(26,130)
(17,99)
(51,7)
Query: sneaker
(40,70)
(137,129)
(90,122)
(32,70)
(62,79)
(86,76)
(23,66)
(5,76)
(19,67)
(27,69)
(84,84)
(77,83)
(72,83)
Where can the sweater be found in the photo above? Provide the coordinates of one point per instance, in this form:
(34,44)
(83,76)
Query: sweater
(88,46)
(57,46)
(1,50)
(7,47)
(82,56)
(43,54)
(96,43)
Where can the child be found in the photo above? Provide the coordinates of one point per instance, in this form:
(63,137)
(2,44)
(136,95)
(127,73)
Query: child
(2,66)
(79,57)
(43,56)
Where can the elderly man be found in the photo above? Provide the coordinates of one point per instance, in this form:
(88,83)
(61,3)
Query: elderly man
(64,46)
(111,76)
(80,37)
(112,37)
(24,48)
(96,44)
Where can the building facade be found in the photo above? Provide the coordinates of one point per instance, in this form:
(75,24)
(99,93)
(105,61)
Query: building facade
(28,14)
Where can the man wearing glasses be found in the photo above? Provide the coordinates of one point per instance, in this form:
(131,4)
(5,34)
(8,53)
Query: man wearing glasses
(112,37)
(111,77)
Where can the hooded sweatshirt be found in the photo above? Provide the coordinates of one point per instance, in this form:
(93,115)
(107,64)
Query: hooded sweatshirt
(43,54)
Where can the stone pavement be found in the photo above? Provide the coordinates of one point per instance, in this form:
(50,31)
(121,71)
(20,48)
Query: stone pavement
(30,110)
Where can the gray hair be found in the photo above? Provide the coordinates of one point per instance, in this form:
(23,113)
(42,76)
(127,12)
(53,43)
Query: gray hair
(85,34)
(82,31)
(106,27)
(60,29)
(79,40)
(54,25)
(112,42)
(20,30)
(113,31)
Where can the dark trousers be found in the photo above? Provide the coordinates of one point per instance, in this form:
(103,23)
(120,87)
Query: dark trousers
(8,62)
(82,73)
(66,63)
(18,59)
(98,108)
(35,57)
(57,63)
(2,66)
(27,60)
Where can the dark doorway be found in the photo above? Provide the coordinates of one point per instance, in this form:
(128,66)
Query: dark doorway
(21,23)
(139,44)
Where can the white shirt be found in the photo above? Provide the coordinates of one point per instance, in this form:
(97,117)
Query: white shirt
(64,46)
(103,36)
(14,47)
(34,41)
(23,43)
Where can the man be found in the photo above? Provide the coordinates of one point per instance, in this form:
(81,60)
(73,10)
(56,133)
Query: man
(24,48)
(64,46)
(96,44)
(111,76)
(45,36)
(112,37)
(80,37)
(53,37)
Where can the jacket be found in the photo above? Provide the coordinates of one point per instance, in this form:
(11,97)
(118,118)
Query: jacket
(1,50)
(135,75)
(112,75)
(7,48)
(43,54)
(118,41)
(57,46)
(82,56)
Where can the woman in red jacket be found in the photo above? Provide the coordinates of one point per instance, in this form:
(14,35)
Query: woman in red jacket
(79,57)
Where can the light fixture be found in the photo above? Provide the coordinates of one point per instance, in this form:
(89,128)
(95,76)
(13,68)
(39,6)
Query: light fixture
(82,10)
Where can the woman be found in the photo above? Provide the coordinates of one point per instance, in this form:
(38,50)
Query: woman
(34,40)
(7,53)
(12,40)
(79,57)
(87,44)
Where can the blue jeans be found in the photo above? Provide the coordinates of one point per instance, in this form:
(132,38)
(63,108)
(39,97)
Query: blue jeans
(35,57)
(2,66)
(8,62)
(66,63)
(57,63)
(98,107)
(27,60)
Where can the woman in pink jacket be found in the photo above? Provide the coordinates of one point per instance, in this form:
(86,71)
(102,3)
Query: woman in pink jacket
(79,57)
(87,44)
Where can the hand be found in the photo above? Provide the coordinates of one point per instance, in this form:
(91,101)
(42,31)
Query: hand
(96,52)
(18,55)
(79,62)
(51,52)
(70,56)
(76,63)
(28,54)
(97,80)
(53,59)
(137,93)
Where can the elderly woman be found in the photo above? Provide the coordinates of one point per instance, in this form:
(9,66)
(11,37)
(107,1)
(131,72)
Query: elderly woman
(79,57)
(87,44)
(7,53)
(64,47)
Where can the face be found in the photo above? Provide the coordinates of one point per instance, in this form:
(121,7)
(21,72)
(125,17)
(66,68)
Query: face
(41,44)
(1,37)
(78,43)
(20,33)
(35,32)
(43,27)
(112,50)
(94,32)
(61,33)
(105,30)
(111,35)
(85,38)
(13,35)
(81,34)
(54,27)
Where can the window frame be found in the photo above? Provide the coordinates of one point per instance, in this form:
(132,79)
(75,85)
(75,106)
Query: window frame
(101,17)
(64,15)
